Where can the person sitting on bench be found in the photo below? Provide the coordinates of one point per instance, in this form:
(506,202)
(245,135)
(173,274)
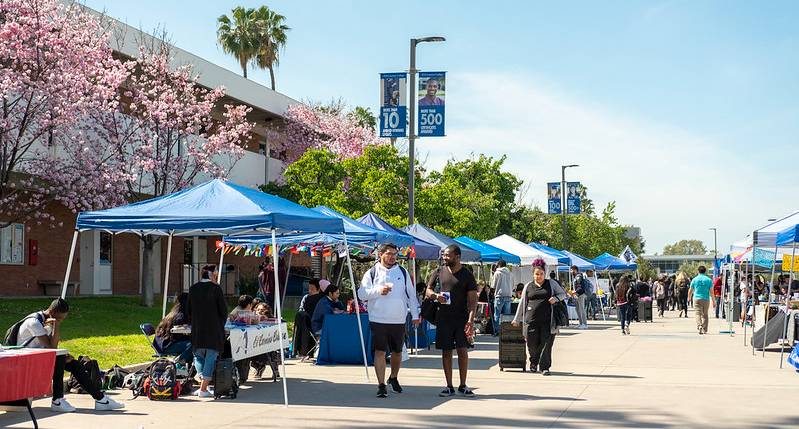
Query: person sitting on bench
(42,330)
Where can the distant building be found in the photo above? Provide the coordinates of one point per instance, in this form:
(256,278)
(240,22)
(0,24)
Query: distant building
(670,264)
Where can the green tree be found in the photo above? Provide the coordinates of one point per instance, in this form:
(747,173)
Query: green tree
(645,269)
(364,117)
(269,38)
(235,35)
(470,197)
(685,247)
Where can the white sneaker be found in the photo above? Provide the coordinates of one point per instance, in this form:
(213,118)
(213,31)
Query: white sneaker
(205,394)
(61,406)
(107,404)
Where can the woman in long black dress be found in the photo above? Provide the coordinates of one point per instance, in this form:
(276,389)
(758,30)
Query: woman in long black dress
(535,310)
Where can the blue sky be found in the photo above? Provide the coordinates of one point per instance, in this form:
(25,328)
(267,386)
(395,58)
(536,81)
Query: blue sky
(683,112)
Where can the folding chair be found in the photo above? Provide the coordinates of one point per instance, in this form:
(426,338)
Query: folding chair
(149,332)
(306,324)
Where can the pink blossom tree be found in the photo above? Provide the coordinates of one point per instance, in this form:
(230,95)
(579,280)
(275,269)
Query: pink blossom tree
(170,133)
(56,68)
(313,127)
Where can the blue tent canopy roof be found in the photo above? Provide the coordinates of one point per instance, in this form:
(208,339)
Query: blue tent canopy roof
(788,236)
(488,253)
(574,259)
(434,237)
(424,250)
(606,261)
(215,207)
(357,234)
(555,253)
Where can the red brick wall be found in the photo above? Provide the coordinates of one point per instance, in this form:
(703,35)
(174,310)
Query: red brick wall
(54,243)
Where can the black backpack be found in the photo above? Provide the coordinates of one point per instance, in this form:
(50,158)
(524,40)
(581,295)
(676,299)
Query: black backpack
(12,334)
(92,368)
(580,287)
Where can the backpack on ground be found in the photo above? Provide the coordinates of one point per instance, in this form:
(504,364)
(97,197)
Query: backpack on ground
(114,378)
(161,383)
(92,369)
(135,382)
(226,378)
(12,334)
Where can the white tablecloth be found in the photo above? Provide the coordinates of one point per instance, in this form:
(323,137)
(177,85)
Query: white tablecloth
(250,341)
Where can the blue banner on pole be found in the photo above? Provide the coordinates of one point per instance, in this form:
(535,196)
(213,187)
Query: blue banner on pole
(573,201)
(763,258)
(431,94)
(393,105)
(554,198)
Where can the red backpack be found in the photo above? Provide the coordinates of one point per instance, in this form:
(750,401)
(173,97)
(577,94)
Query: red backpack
(161,382)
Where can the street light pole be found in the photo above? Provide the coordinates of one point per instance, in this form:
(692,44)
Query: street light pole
(563,202)
(412,125)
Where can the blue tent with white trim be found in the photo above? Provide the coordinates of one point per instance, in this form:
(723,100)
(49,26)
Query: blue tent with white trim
(555,253)
(489,253)
(423,250)
(582,263)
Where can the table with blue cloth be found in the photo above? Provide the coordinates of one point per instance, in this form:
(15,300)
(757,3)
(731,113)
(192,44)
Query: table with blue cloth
(340,343)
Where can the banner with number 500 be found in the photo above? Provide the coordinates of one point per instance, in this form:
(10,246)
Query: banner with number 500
(431,94)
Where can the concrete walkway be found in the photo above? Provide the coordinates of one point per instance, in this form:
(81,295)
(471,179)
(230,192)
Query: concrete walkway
(663,375)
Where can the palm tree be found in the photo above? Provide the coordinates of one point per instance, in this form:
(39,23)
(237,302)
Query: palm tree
(235,35)
(270,37)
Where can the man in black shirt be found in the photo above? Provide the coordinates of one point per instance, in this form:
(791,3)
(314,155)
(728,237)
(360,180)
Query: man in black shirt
(457,297)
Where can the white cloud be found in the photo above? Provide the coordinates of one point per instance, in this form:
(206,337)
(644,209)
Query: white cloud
(671,183)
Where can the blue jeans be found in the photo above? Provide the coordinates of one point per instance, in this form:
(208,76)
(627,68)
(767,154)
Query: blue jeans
(624,314)
(501,306)
(205,362)
(181,349)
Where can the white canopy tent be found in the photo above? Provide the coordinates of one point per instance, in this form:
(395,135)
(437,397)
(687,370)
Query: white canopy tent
(527,254)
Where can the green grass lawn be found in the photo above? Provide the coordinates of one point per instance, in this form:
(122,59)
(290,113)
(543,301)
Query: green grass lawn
(106,329)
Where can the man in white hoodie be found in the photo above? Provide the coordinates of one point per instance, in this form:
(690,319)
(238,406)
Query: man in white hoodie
(502,283)
(389,293)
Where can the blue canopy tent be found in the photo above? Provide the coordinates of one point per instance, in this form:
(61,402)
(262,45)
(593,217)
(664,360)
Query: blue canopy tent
(434,237)
(357,233)
(608,262)
(489,253)
(422,249)
(212,208)
(580,262)
(561,257)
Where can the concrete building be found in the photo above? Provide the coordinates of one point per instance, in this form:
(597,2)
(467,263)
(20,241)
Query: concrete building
(33,257)
(670,264)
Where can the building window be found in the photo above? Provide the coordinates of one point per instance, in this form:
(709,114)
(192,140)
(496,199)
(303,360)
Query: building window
(106,247)
(12,244)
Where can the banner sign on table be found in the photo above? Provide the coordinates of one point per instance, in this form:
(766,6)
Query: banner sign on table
(573,198)
(763,258)
(786,263)
(553,197)
(249,341)
(431,94)
(393,105)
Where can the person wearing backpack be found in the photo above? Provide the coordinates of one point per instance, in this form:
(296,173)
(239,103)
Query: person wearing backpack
(42,330)
(389,292)
(583,290)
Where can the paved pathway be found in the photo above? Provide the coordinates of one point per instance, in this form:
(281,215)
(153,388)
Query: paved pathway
(663,375)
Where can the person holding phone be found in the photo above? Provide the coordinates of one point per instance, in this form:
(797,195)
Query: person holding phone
(457,299)
(389,293)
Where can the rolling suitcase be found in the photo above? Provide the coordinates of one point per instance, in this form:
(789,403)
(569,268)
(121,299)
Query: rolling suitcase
(512,348)
(226,379)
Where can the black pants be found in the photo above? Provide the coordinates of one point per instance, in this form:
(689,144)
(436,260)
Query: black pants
(80,374)
(682,301)
(539,346)
(661,306)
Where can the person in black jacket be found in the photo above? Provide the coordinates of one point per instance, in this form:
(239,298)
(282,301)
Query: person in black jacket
(207,314)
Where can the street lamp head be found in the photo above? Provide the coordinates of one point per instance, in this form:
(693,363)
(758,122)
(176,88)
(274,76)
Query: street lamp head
(771,220)
(431,39)
(570,165)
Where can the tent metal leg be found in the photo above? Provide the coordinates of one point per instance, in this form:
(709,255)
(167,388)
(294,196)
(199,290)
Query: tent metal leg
(166,274)
(357,308)
(279,316)
(69,264)
(221,260)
